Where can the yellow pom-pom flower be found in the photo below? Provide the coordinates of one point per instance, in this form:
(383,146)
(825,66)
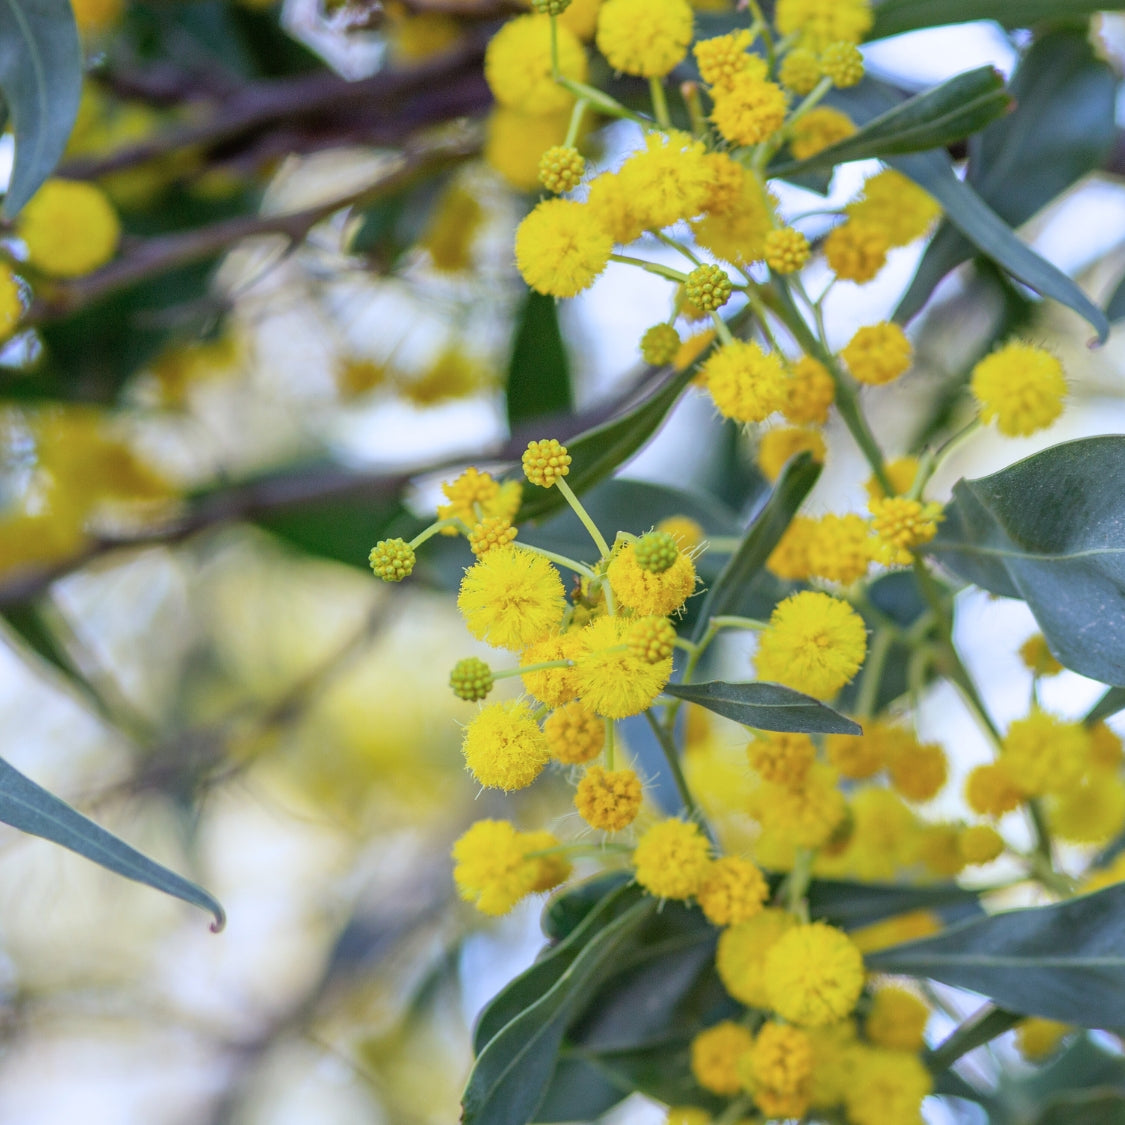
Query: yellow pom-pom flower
(878,354)
(471,679)
(647,593)
(804,815)
(69,228)
(820,22)
(611,680)
(392,560)
(778,1071)
(782,758)
(514,143)
(819,129)
(644,37)
(1046,754)
(786,250)
(814,643)
(919,772)
(745,382)
(1092,813)
(11,306)
(722,57)
(1037,657)
(860,756)
(707,287)
(799,71)
(814,975)
(672,859)
(475,496)
(494,871)
(652,639)
(553,686)
(991,790)
(901,473)
(608,799)
(732,891)
(902,525)
(715,1053)
(897,205)
(741,955)
(750,109)
(843,64)
(491,532)
(811,392)
(776,448)
(856,251)
(839,548)
(544,462)
(517,65)
(574,734)
(1021,387)
(561,248)
(659,344)
(504,747)
(669,179)
(886,1086)
(684,530)
(980,843)
(511,598)
(897,1020)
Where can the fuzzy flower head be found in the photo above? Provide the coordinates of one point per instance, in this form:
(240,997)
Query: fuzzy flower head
(659,344)
(723,57)
(612,680)
(750,109)
(800,816)
(778,1071)
(517,65)
(839,548)
(902,525)
(897,205)
(1021,387)
(733,891)
(504,747)
(901,472)
(69,228)
(561,168)
(741,956)
(856,251)
(980,843)
(490,533)
(1092,813)
(1037,657)
(819,129)
(608,799)
(561,248)
(737,225)
(811,392)
(745,382)
(991,789)
(511,598)
(897,1020)
(886,1086)
(474,496)
(790,558)
(515,142)
(777,447)
(1046,754)
(782,758)
(648,593)
(672,859)
(820,22)
(553,686)
(11,306)
(611,202)
(814,975)
(786,250)
(814,643)
(652,639)
(714,1057)
(574,734)
(494,869)
(669,179)
(878,354)
(646,38)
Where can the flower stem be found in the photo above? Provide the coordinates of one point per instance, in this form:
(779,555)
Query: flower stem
(609,747)
(650,267)
(659,103)
(673,759)
(576,116)
(584,516)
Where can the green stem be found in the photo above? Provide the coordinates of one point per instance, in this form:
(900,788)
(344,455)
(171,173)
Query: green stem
(546,666)
(679,247)
(609,729)
(721,330)
(873,673)
(434,528)
(931,461)
(562,560)
(797,884)
(584,516)
(673,760)
(659,103)
(555,49)
(601,101)
(726,621)
(576,116)
(650,267)
(690,93)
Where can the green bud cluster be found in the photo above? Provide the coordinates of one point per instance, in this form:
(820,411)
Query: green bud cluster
(471,679)
(392,559)
(656,552)
(708,287)
(660,344)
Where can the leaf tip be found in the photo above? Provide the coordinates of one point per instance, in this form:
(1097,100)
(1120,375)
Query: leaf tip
(220,922)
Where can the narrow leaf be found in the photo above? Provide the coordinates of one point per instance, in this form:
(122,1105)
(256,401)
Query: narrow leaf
(853,905)
(41,79)
(981,1027)
(1115,306)
(30,808)
(538,367)
(893,17)
(1063,962)
(1051,530)
(766,707)
(1091,1107)
(932,119)
(1112,701)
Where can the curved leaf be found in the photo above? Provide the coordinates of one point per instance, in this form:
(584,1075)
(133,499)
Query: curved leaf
(41,79)
(893,17)
(1064,962)
(30,808)
(766,707)
(854,905)
(1051,530)
(539,366)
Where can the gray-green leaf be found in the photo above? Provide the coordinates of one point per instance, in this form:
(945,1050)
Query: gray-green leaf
(766,707)
(893,17)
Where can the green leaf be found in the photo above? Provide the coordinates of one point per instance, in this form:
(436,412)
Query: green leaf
(1060,130)
(539,366)
(41,79)
(893,17)
(1051,530)
(1091,1107)
(937,117)
(855,905)
(512,1073)
(1115,306)
(766,707)
(767,528)
(564,912)
(1112,701)
(980,1028)
(30,808)
(1063,962)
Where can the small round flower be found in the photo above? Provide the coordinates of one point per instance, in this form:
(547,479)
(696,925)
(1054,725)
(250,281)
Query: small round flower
(608,799)
(799,71)
(1037,657)
(897,1020)
(684,530)
(980,843)
(11,306)
(515,141)
(819,129)
(814,643)
(787,250)
(741,955)
(722,57)
(856,251)
(1021,386)
(471,679)
(656,551)
(611,680)
(820,22)
(659,344)
(811,392)
(69,228)
(860,756)
(561,248)
(392,560)
(671,859)
(491,532)
(550,7)
(902,525)
(886,1086)
(651,639)
(561,168)
(778,1070)
(474,496)
(897,205)
(1092,813)
(991,790)
(574,734)
(511,598)
(1046,754)
(839,548)
(878,354)
(714,1057)
(708,287)
(790,558)
(644,37)
(901,472)
(517,65)
(494,870)
(814,975)
(782,758)
(553,686)
(805,815)
(504,747)
(1106,750)
(750,109)
(746,383)
(670,178)
(732,891)
(1036,1038)
(776,448)
(646,592)
(843,64)
(545,461)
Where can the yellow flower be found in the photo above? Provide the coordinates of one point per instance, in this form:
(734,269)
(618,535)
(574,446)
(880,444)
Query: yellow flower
(504,747)
(799,71)
(645,592)
(474,496)
(735,228)
(790,558)
(1106,751)
(843,64)
(1046,754)
(671,859)
(819,129)
(897,1020)
(574,734)
(644,37)
(900,472)
(511,598)
(894,931)
(991,790)
(783,759)
(814,975)
(608,799)
(884,835)
(722,57)
(897,205)
(886,1086)
(939,850)
(748,110)
(902,525)
(804,815)
(667,180)
(980,843)
(919,772)
(490,533)
(746,383)
(812,391)
(778,1071)
(1091,814)
(517,65)
(651,639)
(11,306)
(514,142)
(714,1057)
(1021,386)
(494,871)
(561,248)
(544,462)
(814,643)
(1037,657)
(878,354)
(820,22)
(69,227)
(733,891)
(856,251)
(561,168)
(839,548)
(1036,1038)
(612,206)
(452,228)
(687,533)
(741,954)
(786,250)
(611,680)
(777,447)
(553,686)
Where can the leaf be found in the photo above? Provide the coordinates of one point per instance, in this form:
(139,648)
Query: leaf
(1064,962)
(512,1073)
(1115,306)
(1112,701)
(30,808)
(893,17)
(1051,530)
(767,528)
(539,366)
(766,707)
(1060,130)
(853,905)
(981,1027)
(936,117)
(41,79)
(1091,1107)
(564,912)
